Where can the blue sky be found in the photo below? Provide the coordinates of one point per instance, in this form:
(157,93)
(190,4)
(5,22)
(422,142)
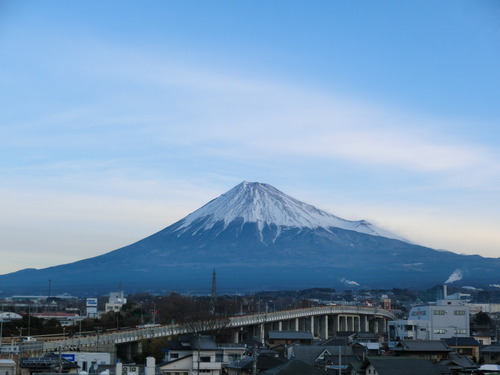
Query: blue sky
(119,118)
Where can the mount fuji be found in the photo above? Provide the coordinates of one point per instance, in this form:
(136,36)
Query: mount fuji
(258,238)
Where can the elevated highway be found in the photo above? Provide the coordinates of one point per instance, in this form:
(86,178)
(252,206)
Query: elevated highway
(322,321)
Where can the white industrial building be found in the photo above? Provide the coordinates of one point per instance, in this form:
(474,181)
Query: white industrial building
(446,319)
(115,302)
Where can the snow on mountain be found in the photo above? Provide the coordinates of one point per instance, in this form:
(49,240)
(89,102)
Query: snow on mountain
(263,204)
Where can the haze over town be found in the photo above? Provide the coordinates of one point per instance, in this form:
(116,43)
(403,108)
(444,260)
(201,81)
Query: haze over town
(120,118)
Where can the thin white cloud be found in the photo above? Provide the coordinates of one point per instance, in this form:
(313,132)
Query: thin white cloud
(112,158)
(272,118)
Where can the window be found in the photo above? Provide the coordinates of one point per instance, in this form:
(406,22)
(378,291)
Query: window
(205,359)
(461,331)
(439,331)
(174,355)
(459,312)
(439,312)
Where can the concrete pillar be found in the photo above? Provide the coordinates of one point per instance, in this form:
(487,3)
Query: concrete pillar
(312,325)
(280,326)
(236,337)
(261,333)
(296,324)
(119,368)
(325,336)
(367,324)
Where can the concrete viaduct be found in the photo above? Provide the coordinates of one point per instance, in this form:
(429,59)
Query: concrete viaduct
(322,321)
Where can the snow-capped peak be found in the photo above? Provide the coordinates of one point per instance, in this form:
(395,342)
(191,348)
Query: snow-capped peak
(260,203)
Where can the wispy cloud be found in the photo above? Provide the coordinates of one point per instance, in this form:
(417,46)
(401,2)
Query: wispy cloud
(196,107)
(149,136)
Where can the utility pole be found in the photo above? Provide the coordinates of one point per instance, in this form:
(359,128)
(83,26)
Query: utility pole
(340,360)
(29,320)
(1,329)
(254,362)
(199,352)
(214,291)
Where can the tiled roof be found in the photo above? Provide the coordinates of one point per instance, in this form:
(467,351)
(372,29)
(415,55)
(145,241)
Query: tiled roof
(460,361)
(47,361)
(294,367)
(310,353)
(401,366)
(264,362)
(491,349)
(422,345)
(290,335)
(461,341)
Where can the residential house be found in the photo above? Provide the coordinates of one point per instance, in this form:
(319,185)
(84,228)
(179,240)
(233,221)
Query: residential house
(468,346)
(48,363)
(459,364)
(88,361)
(433,350)
(484,337)
(195,355)
(325,357)
(490,354)
(390,365)
(245,365)
(294,367)
(366,337)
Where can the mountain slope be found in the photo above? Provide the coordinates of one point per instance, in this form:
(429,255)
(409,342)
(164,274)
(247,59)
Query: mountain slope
(259,238)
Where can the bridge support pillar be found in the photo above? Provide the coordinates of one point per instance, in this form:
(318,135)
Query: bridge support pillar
(296,324)
(357,321)
(325,328)
(280,326)
(236,336)
(312,325)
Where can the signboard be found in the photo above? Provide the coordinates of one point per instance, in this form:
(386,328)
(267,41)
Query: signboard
(69,357)
(91,302)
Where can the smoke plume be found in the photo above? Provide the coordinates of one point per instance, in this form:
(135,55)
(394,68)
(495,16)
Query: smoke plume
(455,276)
